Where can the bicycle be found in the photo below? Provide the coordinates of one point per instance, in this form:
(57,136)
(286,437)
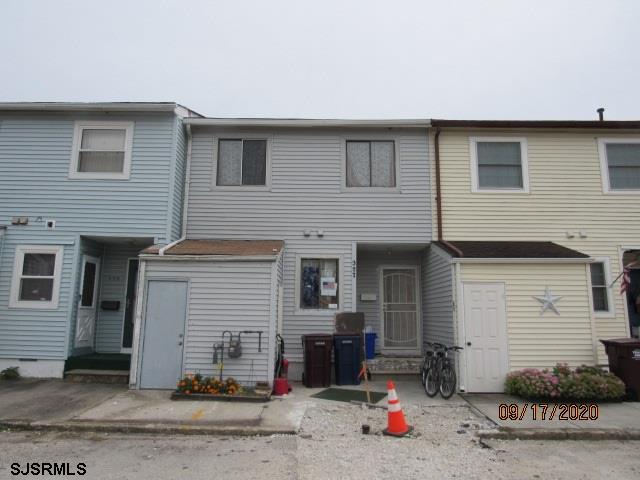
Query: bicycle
(429,360)
(442,376)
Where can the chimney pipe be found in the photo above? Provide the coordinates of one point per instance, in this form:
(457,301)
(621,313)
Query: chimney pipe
(600,114)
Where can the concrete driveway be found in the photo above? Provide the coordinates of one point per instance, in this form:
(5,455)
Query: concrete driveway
(50,400)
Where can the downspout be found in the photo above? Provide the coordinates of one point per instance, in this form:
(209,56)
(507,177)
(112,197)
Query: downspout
(185,199)
(3,229)
(436,146)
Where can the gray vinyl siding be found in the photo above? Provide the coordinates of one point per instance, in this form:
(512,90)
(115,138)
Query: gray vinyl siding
(179,169)
(113,287)
(35,154)
(225,296)
(437,290)
(369,264)
(306,193)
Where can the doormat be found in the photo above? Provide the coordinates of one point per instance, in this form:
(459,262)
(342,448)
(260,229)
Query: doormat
(347,395)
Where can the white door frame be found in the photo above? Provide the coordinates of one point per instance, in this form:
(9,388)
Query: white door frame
(418,296)
(124,313)
(94,303)
(463,370)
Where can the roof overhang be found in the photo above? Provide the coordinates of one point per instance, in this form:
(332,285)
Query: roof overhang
(539,124)
(523,260)
(96,107)
(307,123)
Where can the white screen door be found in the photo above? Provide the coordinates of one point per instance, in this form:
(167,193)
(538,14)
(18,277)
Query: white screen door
(485,328)
(400,313)
(87,304)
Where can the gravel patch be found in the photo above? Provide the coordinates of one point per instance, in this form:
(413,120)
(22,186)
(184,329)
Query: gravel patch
(442,444)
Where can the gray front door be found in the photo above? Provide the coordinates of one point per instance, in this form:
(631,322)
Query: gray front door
(163,334)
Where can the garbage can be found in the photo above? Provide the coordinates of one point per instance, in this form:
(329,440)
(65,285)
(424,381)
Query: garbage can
(347,356)
(317,360)
(624,362)
(370,339)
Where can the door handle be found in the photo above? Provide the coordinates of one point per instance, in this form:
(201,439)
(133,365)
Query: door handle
(468,344)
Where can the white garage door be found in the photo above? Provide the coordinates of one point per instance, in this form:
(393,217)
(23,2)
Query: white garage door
(485,328)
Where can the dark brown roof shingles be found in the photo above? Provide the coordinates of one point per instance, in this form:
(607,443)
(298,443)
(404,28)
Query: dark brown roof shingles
(221,247)
(510,249)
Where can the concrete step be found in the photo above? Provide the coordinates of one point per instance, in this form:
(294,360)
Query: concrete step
(384,365)
(97,376)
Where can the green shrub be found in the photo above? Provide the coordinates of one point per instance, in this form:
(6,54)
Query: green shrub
(10,373)
(584,383)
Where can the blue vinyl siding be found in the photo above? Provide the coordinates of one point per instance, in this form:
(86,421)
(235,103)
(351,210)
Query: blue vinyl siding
(35,154)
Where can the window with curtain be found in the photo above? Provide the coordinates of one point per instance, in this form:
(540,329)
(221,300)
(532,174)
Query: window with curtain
(241,162)
(599,287)
(623,163)
(319,283)
(371,164)
(499,165)
(102,150)
(36,277)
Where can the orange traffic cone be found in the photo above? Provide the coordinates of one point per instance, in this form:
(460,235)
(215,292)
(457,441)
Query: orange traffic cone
(396,424)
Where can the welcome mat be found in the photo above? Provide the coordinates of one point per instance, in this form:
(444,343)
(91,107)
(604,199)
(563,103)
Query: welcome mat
(347,395)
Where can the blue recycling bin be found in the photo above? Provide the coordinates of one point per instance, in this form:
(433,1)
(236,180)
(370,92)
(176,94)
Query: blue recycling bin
(370,340)
(347,351)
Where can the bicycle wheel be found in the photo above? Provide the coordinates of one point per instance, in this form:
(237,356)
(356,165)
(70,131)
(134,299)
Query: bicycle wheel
(432,382)
(448,383)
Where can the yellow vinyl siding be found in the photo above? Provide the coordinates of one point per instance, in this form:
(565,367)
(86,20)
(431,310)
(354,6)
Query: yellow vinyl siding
(541,341)
(565,195)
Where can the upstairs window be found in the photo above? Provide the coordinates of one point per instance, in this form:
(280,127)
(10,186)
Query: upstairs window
(102,151)
(621,165)
(241,162)
(499,164)
(599,290)
(36,277)
(371,164)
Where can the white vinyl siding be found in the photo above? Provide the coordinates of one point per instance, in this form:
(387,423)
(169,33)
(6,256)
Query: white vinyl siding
(36,277)
(499,164)
(620,163)
(101,150)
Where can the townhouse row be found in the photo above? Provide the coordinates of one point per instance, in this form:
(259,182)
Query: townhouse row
(144,231)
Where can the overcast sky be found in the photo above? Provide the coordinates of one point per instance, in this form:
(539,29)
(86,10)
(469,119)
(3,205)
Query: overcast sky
(542,59)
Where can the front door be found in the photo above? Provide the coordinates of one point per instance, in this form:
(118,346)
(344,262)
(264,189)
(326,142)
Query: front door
(485,326)
(400,312)
(165,317)
(87,305)
(130,305)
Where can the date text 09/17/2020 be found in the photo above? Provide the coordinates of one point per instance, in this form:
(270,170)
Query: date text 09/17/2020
(546,411)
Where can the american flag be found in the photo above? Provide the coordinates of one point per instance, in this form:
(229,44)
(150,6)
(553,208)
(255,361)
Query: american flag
(626,280)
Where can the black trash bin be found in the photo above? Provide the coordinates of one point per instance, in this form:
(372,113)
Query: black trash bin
(347,350)
(624,362)
(317,360)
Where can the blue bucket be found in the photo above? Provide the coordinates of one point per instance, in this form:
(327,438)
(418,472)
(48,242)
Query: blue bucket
(370,342)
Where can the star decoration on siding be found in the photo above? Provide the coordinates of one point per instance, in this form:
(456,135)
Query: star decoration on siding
(548,301)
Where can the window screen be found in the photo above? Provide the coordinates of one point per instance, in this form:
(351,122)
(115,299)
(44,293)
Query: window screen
(499,165)
(624,166)
(36,280)
(242,162)
(102,150)
(319,283)
(371,164)
(599,287)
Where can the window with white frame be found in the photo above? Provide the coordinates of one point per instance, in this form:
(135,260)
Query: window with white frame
(621,164)
(319,283)
(499,164)
(371,163)
(36,276)
(242,162)
(599,289)
(102,150)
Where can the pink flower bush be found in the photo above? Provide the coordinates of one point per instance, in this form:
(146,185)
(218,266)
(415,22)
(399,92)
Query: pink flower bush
(584,383)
